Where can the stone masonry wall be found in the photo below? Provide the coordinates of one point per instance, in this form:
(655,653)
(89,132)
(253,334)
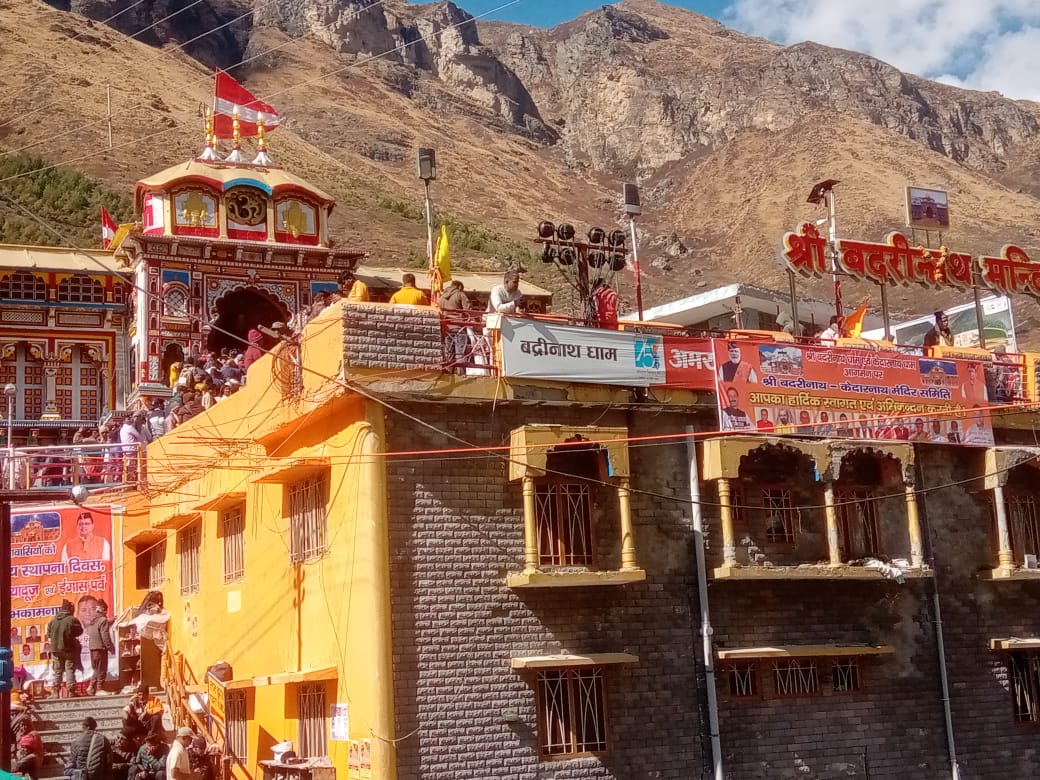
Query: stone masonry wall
(456,532)
(378,335)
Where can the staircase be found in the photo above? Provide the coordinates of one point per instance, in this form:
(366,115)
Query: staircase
(59,723)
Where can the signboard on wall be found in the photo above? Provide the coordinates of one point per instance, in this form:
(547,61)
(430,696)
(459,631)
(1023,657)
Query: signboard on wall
(775,388)
(565,353)
(57,553)
(997,321)
(216,693)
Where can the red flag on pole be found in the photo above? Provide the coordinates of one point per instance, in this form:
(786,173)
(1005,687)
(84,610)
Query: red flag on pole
(228,96)
(108,228)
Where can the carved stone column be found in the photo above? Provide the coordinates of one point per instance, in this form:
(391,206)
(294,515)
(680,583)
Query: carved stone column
(831,513)
(628,547)
(50,390)
(729,549)
(530,527)
(913,526)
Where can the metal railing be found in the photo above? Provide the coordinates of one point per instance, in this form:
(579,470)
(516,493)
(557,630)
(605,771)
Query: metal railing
(93,466)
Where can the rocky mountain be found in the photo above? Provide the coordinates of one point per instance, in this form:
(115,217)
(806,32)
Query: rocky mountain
(726,133)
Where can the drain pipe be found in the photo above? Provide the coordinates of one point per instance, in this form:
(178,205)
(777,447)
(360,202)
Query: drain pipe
(940,647)
(702,594)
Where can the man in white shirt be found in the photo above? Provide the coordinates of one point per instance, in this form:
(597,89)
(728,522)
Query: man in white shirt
(178,765)
(977,433)
(506,298)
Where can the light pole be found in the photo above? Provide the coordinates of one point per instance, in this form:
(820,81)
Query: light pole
(427,166)
(10,391)
(634,209)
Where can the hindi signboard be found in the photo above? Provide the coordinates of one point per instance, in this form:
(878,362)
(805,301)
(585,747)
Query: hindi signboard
(775,388)
(217,695)
(57,553)
(541,350)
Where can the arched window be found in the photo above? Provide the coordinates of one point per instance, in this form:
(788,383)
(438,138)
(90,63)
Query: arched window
(26,373)
(23,286)
(175,301)
(81,289)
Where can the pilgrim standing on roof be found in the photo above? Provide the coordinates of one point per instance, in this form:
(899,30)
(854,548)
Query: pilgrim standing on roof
(506,297)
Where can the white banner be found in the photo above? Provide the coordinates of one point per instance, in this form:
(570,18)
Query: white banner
(540,350)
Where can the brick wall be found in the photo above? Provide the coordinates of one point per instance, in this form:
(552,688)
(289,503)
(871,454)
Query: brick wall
(378,335)
(456,531)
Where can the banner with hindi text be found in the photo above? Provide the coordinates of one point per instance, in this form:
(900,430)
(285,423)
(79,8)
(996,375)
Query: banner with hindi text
(776,388)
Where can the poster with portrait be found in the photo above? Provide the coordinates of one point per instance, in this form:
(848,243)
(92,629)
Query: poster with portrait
(58,553)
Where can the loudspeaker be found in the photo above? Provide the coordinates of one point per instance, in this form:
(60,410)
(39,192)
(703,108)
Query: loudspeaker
(632,205)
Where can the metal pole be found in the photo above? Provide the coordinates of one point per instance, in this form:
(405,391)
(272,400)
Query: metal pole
(5,629)
(429,225)
(940,647)
(979,322)
(884,312)
(834,251)
(10,440)
(793,284)
(702,594)
(635,267)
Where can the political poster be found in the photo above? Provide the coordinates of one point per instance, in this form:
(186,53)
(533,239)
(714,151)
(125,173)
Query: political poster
(542,350)
(775,388)
(57,553)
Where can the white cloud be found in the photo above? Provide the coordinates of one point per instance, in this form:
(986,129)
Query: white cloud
(980,44)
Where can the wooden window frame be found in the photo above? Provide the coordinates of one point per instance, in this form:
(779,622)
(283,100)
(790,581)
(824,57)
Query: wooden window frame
(564,695)
(1023,530)
(789,513)
(232,531)
(557,534)
(80,288)
(189,559)
(308,507)
(849,499)
(312,707)
(1023,671)
(157,565)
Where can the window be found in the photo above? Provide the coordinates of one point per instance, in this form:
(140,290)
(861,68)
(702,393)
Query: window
(743,680)
(1024,525)
(781,518)
(844,675)
(858,523)
(564,523)
(572,712)
(311,704)
(796,677)
(1024,680)
(23,286)
(308,518)
(157,565)
(80,288)
(188,543)
(175,302)
(237,722)
(232,529)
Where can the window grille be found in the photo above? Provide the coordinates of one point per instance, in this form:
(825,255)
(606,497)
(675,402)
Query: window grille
(858,512)
(232,527)
(780,514)
(175,302)
(235,717)
(308,518)
(564,524)
(311,703)
(81,289)
(23,286)
(157,566)
(1024,525)
(1024,680)
(796,677)
(189,542)
(844,675)
(572,712)
(743,680)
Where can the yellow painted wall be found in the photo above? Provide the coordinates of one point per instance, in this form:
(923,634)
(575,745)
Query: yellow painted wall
(330,612)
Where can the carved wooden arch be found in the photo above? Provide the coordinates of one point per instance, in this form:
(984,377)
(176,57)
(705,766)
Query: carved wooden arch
(778,448)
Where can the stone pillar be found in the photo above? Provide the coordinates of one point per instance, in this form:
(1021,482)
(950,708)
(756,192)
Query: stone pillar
(1005,556)
(530,527)
(913,524)
(729,550)
(628,548)
(831,513)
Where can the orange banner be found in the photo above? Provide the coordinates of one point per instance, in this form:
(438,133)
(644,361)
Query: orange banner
(57,552)
(847,393)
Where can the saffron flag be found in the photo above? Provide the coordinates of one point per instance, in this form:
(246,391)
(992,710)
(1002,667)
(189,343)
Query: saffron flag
(854,322)
(441,270)
(229,95)
(108,228)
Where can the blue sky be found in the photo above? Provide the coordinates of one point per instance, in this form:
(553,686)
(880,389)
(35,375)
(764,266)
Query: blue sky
(978,44)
